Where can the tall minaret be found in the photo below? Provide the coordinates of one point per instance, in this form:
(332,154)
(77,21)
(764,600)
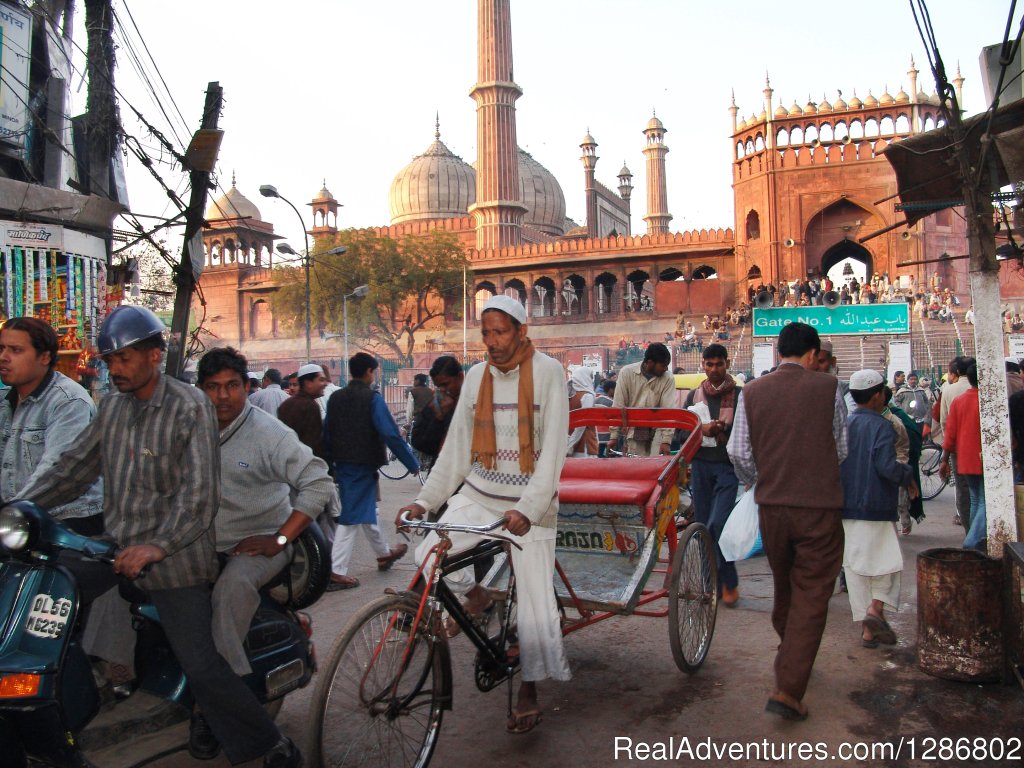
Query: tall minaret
(733,109)
(915,117)
(499,209)
(590,158)
(657,217)
(625,192)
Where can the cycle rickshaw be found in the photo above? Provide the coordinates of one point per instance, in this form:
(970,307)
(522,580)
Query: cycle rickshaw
(385,685)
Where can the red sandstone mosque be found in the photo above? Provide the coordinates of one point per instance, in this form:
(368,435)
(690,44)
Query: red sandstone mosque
(809,183)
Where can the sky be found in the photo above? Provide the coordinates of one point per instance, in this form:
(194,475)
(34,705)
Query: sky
(347,90)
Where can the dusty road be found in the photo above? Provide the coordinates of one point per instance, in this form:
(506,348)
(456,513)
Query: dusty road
(627,694)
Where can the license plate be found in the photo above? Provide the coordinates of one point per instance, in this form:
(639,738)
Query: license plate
(48,617)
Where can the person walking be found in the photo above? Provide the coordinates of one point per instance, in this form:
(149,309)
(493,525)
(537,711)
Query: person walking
(647,384)
(801,528)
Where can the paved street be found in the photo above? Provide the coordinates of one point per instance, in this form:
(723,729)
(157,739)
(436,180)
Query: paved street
(626,685)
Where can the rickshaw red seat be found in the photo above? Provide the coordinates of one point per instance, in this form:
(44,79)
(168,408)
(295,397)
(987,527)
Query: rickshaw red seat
(625,481)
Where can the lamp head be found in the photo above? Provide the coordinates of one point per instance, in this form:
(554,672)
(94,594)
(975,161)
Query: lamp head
(340,250)
(268,190)
(285,248)
(361,291)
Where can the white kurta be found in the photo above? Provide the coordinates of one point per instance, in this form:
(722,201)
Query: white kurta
(873,563)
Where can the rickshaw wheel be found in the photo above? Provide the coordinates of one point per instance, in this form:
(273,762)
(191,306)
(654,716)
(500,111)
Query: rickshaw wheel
(692,598)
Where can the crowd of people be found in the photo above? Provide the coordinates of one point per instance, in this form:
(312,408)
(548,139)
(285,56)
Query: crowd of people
(268,454)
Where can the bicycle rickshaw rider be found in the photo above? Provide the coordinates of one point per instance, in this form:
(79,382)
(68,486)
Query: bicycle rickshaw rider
(506,446)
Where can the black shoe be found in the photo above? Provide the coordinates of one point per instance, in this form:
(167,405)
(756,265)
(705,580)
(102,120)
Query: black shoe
(202,744)
(284,755)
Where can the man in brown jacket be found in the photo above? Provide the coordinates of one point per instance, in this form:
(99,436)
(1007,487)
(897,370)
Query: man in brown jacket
(801,523)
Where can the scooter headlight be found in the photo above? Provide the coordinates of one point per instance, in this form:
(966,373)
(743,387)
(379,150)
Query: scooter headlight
(14,528)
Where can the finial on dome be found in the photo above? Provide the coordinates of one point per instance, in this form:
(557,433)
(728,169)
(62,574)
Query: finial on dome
(767,82)
(437,126)
(733,92)
(232,177)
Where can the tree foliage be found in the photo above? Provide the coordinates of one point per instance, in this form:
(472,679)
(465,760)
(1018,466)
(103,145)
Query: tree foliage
(410,281)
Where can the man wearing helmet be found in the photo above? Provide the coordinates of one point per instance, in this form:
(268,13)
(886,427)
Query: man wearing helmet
(155,444)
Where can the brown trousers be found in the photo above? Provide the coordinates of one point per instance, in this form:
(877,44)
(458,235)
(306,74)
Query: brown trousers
(805,552)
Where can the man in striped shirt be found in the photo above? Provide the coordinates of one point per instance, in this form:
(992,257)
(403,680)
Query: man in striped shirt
(155,444)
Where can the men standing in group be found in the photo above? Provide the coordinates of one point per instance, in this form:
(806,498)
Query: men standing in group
(713,482)
(271,396)
(647,384)
(155,444)
(358,427)
(914,400)
(802,531)
(504,454)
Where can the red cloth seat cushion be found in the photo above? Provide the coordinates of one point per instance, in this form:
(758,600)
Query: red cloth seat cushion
(622,481)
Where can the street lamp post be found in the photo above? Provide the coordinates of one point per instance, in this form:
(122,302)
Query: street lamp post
(287,249)
(268,190)
(358,292)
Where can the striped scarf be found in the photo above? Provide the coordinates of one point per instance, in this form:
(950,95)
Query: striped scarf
(485,442)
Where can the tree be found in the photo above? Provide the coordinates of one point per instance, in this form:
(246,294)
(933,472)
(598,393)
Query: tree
(154,279)
(411,281)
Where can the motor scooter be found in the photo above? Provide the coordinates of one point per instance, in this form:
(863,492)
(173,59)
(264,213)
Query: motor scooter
(49,698)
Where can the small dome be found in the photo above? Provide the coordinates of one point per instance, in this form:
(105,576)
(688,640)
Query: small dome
(871,101)
(654,124)
(625,171)
(887,99)
(436,185)
(902,97)
(588,139)
(922,97)
(781,111)
(934,98)
(840,105)
(795,109)
(233,205)
(752,120)
(810,108)
(824,106)
(762,117)
(856,103)
(741,125)
(324,194)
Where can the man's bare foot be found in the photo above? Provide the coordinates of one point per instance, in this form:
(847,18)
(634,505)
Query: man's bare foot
(527,714)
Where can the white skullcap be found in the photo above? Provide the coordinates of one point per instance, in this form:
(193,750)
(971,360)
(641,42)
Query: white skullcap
(508,305)
(865,379)
(309,368)
(254,375)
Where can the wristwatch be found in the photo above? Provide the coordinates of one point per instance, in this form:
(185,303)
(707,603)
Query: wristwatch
(281,540)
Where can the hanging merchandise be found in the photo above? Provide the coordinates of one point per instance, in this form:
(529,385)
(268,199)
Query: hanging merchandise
(30,283)
(19,267)
(69,304)
(86,291)
(8,283)
(44,295)
(79,299)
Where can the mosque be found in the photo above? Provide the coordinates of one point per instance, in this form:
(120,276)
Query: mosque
(810,185)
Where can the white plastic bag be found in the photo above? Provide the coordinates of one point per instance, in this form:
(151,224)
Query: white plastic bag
(741,536)
(701,409)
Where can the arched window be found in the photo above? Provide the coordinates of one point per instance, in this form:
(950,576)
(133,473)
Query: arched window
(796,136)
(739,150)
(749,147)
(825,135)
(515,289)
(705,272)
(484,291)
(871,128)
(841,131)
(543,298)
(759,143)
(753,226)
(929,123)
(670,274)
(810,134)
(903,124)
(639,292)
(573,294)
(888,127)
(605,293)
(782,139)
(856,130)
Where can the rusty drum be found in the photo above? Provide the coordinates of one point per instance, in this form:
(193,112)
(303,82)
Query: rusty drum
(959,617)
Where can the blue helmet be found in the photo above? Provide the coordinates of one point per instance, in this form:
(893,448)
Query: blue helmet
(128,325)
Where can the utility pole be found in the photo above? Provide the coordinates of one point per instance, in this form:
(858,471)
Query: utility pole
(184,273)
(101,120)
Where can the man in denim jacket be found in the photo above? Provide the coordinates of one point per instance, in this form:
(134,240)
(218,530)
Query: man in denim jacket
(42,413)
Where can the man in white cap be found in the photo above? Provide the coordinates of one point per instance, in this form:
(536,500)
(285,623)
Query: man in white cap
(302,413)
(508,472)
(871,478)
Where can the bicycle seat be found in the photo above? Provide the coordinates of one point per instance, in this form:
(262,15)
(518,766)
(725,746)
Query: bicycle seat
(626,481)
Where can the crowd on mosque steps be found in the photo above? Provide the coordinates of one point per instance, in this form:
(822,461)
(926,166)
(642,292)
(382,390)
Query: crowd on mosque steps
(862,437)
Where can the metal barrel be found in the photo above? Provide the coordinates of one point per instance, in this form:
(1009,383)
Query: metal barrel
(959,615)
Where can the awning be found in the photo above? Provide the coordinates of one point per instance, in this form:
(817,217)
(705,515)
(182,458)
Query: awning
(927,172)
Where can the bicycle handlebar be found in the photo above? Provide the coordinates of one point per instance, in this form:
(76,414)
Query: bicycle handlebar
(425,525)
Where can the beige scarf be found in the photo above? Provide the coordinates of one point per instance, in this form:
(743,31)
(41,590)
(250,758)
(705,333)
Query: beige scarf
(485,442)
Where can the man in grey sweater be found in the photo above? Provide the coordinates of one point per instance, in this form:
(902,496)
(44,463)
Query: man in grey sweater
(272,486)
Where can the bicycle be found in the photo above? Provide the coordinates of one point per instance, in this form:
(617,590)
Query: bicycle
(394,469)
(384,687)
(932,482)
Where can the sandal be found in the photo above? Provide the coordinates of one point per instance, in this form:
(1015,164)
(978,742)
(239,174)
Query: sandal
(880,630)
(525,721)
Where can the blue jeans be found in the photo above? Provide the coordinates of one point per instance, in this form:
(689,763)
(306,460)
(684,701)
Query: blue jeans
(978,530)
(713,486)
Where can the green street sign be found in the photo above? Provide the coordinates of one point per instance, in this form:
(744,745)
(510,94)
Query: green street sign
(845,319)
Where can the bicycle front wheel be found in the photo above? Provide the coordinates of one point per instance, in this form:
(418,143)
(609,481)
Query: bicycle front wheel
(394,469)
(931,481)
(381,692)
